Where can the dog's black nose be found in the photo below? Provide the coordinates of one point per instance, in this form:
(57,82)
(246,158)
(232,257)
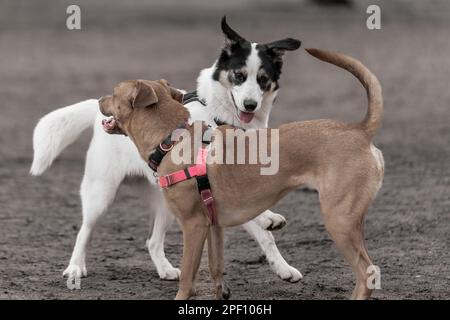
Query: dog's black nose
(250,105)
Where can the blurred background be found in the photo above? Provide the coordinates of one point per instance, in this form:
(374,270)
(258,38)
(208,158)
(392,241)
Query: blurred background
(44,66)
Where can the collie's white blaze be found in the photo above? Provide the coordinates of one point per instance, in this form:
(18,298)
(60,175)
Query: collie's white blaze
(250,89)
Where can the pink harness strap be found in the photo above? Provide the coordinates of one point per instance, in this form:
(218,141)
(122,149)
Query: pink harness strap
(197,170)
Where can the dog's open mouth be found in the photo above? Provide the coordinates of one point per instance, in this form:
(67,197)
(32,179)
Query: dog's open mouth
(243,116)
(110,125)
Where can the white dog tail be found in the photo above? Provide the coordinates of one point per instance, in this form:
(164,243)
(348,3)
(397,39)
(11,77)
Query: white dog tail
(58,129)
(374,114)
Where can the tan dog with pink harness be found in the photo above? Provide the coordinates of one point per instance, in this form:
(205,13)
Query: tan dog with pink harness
(336,158)
(197,171)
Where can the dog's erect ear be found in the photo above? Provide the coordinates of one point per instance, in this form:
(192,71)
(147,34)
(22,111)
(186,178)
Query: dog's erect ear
(280,46)
(143,96)
(232,38)
(175,93)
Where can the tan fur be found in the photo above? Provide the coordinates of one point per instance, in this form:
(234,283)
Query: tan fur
(337,158)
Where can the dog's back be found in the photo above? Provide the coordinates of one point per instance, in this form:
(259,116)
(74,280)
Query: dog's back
(335,149)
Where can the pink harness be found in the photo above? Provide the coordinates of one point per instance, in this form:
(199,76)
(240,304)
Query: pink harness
(199,172)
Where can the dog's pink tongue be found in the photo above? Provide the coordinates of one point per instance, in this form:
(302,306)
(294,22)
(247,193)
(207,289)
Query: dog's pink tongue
(246,117)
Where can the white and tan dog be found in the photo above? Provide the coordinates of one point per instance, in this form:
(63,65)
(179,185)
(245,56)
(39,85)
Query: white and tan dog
(243,98)
(336,158)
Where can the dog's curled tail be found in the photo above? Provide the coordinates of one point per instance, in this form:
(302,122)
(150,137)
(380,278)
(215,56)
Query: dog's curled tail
(374,114)
(58,129)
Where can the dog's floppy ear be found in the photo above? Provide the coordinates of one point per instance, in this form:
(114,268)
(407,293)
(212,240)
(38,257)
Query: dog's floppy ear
(143,96)
(280,46)
(175,93)
(232,38)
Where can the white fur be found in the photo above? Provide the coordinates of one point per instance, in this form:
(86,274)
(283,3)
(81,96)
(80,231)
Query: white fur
(58,129)
(378,155)
(104,173)
(250,88)
(219,100)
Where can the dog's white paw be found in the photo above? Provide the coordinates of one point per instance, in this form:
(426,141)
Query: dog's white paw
(271,221)
(288,273)
(169,273)
(164,268)
(75,271)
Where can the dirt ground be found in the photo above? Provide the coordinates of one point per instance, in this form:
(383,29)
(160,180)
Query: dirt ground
(43,66)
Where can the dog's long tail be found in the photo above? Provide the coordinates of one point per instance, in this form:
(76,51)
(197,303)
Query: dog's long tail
(58,129)
(372,120)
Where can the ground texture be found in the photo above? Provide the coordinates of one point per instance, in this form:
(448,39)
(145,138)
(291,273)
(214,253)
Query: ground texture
(43,66)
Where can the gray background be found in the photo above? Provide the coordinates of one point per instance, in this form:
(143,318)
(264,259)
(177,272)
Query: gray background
(43,66)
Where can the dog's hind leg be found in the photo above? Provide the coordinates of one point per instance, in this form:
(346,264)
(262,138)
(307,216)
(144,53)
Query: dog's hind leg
(195,232)
(155,245)
(215,259)
(344,221)
(276,261)
(98,189)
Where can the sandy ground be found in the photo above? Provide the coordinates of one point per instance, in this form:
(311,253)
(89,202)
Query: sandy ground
(43,66)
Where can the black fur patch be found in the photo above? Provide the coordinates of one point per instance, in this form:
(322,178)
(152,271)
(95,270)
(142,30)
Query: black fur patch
(237,50)
(271,55)
(236,60)
(271,63)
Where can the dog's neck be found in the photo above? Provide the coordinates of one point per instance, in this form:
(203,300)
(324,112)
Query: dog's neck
(220,104)
(184,140)
(148,132)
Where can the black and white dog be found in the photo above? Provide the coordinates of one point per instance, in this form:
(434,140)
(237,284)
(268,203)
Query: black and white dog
(239,89)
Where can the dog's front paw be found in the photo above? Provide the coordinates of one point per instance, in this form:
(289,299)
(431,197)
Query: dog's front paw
(288,273)
(75,272)
(271,221)
(186,294)
(169,273)
(223,292)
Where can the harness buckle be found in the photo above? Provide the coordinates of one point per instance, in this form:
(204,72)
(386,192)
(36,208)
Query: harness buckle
(165,149)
